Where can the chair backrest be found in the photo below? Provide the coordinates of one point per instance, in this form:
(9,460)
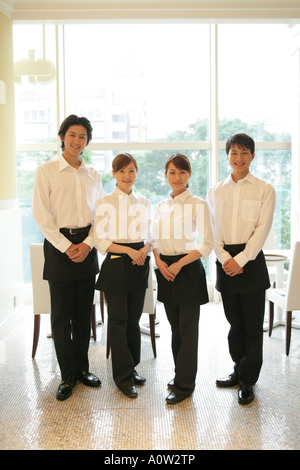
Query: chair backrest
(293,284)
(40,287)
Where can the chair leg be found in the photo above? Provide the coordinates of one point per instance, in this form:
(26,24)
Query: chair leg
(271,317)
(152,331)
(93,322)
(102,300)
(36,334)
(107,341)
(288,330)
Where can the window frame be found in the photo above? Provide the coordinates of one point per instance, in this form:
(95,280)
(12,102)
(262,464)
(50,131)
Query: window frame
(213,145)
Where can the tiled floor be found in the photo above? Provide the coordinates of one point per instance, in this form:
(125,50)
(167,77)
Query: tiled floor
(32,418)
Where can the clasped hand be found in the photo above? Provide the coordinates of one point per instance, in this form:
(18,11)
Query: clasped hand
(78,253)
(232,268)
(138,256)
(169,272)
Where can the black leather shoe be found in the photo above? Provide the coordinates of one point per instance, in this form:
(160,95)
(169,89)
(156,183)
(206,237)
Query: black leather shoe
(171,384)
(174,397)
(245,393)
(129,392)
(137,379)
(230,381)
(65,388)
(89,379)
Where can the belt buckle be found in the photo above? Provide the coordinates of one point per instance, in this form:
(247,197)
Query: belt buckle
(71,231)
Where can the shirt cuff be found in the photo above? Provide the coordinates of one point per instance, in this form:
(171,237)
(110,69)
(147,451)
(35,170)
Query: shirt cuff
(241,259)
(224,257)
(63,245)
(154,245)
(204,251)
(103,245)
(88,241)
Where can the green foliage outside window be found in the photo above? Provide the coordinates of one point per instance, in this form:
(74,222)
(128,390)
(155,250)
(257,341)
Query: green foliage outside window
(272,165)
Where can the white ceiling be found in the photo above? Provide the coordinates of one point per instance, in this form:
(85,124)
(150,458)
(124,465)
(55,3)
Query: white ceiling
(136,9)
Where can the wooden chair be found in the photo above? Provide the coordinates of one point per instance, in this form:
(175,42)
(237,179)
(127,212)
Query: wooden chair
(41,294)
(288,298)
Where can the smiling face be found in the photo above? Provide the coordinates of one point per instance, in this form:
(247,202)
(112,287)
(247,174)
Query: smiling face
(75,141)
(240,159)
(177,179)
(125,177)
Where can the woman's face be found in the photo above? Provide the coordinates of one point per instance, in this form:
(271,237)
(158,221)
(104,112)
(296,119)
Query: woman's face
(125,178)
(177,179)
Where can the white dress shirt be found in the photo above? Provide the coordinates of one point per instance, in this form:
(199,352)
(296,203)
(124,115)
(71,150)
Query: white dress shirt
(121,218)
(65,197)
(241,212)
(179,222)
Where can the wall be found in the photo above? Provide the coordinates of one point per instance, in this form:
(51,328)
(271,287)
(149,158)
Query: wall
(205,10)
(11,277)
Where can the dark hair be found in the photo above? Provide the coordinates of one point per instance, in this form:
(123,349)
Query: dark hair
(180,161)
(74,120)
(241,140)
(121,160)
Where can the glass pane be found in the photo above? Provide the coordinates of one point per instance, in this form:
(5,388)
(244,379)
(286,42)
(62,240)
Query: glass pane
(139,82)
(35,87)
(27,162)
(273,166)
(255,81)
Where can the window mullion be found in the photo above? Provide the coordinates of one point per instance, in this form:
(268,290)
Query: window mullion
(214,117)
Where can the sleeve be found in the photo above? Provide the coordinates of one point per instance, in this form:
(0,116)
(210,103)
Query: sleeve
(256,242)
(150,221)
(154,228)
(221,254)
(41,210)
(104,231)
(99,193)
(204,228)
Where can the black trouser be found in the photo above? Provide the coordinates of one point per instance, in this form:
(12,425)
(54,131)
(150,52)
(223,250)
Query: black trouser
(124,313)
(245,313)
(184,323)
(71,307)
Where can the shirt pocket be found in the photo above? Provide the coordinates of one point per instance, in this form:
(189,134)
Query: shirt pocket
(251,210)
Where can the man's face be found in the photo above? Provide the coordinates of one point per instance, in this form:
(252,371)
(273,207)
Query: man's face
(75,140)
(240,159)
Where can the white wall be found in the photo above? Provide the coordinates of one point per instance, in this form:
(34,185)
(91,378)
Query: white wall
(11,269)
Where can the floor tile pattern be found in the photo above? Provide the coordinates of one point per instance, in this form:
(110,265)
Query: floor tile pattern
(93,419)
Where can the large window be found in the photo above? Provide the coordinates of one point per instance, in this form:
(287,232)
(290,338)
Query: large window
(255,79)
(151,89)
(147,81)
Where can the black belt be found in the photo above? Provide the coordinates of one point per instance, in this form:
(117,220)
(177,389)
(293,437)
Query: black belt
(74,231)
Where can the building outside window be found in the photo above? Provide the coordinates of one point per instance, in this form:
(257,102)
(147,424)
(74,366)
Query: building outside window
(152,90)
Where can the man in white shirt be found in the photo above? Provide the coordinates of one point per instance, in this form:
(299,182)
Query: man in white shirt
(242,208)
(65,194)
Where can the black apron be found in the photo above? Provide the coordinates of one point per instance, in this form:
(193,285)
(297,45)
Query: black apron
(255,277)
(59,267)
(189,286)
(118,273)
